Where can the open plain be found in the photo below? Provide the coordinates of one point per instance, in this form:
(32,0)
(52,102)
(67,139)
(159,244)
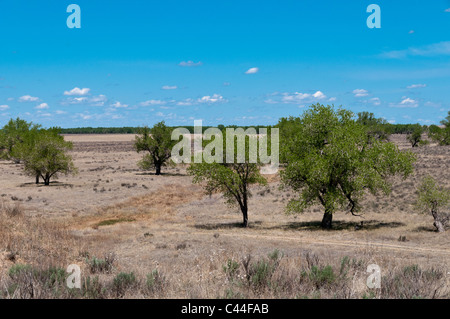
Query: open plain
(143,222)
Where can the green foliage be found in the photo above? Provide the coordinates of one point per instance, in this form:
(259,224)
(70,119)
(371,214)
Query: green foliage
(415,137)
(44,154)
(97,265)
(377,128)
(233,180)
(431,197)
(13,135)
(441,135)
(322,276)
(259,274)
(155,281)
(109,222)
(122,282)
(157,144)
(231,269)
(93,289)
(43,151)
(331,161)
(17,269)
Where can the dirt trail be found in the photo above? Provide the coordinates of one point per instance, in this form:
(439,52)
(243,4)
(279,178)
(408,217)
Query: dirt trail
(168,199)
(325,242)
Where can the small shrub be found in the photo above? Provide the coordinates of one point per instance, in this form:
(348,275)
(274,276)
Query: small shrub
(97,265)
(18,269)
(155,281)
(259,274)
(93,289)
(52,276)
(322,276)
(412,282)
(231,269)
(122,282)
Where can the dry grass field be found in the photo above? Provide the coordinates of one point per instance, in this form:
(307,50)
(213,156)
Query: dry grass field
(112,218)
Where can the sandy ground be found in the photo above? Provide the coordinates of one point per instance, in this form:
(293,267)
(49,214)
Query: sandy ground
(168,221)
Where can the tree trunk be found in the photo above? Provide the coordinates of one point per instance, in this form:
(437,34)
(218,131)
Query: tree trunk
(245,216)
(37,179)
(46,180)
(327,219)
(158,169)
(438,222)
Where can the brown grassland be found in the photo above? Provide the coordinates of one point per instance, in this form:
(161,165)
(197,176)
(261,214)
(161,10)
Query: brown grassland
(137,235)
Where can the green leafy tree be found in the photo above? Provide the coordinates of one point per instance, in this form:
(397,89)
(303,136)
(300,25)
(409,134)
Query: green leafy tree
(331,161)
(433,199)
(44,154)
(233,180)
(13,134)
(377,128)
(415,137)
(441,135)
(157,143)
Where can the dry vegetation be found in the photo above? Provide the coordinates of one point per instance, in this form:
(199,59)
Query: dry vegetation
(137,235)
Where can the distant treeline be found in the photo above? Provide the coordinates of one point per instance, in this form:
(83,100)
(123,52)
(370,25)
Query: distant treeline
(391,128)
(134,130)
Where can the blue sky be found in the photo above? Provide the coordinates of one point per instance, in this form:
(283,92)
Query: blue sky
(136,63)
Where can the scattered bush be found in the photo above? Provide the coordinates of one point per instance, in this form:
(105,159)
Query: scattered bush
(155,281)
(122,282)
(97,265)
(231,269)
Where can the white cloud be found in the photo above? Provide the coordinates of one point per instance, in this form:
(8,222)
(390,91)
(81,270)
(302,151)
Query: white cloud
(406,102)
(169,87)
(59,112)
(84,116)
(319,95)
(447,10)
(360,92)
(332,99)
(190,63)
(375,101)
(435,49)
(252,71)
(118,104)
(42,106)
(98,100)
(186,102)
(215,98)
(77,100)
(28,98)
(152,102)
(416,86)
(299,97)
(411,31)
(77,91)
(4,107)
